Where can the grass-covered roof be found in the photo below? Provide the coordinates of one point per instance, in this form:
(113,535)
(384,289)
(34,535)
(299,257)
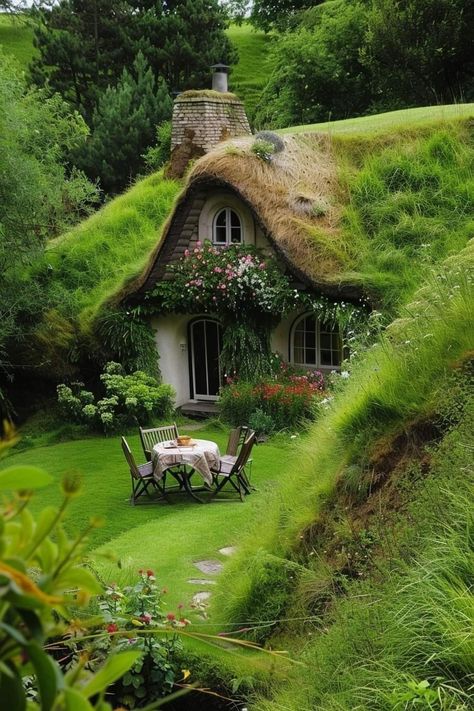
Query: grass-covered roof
(353,208)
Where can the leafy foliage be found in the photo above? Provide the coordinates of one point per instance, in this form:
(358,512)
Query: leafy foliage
(357,58)
(138,608)
(36,607)
(85,45)
(39,196)
(123,126)
(134,398)
(282,401)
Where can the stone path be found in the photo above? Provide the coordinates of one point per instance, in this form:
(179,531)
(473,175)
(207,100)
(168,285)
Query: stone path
(209,567)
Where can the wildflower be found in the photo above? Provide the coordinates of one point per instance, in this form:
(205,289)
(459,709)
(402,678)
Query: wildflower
(345,374)
(112,628)
(170,616)
(150,574)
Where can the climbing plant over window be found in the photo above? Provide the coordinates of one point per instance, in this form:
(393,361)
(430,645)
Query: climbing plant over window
(248,291)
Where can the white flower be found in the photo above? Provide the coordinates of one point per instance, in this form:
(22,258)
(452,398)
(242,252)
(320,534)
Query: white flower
(345,374)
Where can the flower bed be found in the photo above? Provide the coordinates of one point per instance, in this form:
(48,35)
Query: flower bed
(284,400)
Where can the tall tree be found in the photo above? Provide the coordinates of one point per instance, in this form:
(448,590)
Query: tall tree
(124,125)
(40,195)
(421,51)
(85,44)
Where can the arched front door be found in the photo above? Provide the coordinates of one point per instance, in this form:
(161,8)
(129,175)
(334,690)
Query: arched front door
(206,339)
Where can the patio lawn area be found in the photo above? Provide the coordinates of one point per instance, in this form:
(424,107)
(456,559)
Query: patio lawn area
(167,538)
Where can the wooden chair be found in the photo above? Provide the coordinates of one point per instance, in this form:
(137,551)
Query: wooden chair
(156,435)
(236,439)
(141,474)
(232,469)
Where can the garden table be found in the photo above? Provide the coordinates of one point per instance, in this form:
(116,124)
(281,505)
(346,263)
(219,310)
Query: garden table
(202,456)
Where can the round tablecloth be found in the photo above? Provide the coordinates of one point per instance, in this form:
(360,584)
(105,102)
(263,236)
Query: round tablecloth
(203,456)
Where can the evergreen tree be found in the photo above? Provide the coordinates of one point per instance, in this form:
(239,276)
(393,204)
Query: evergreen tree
(85,44)
(124,125)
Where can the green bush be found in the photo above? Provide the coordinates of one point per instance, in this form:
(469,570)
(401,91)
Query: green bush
(282,401)
(129,399)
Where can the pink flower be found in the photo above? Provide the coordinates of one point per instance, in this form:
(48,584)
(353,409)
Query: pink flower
(217,270)
(199,243)
(170,616)
(187,252)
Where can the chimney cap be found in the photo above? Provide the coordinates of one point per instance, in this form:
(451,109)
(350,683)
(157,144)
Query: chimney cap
(219,67)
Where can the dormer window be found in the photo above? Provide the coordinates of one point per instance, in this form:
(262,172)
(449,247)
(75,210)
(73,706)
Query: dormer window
(227,228)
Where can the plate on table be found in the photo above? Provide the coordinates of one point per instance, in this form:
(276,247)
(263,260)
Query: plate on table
(170,445)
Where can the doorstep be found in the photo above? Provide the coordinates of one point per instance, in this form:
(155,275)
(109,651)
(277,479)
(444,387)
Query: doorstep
(199,408)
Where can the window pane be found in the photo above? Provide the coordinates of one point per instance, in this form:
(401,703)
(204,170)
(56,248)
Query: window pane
(220,234)
(310,357)
(234,219)
(235,235)
(326,358)
(310,324)
(298,340)
(298,355)
(221,218)
(310,339)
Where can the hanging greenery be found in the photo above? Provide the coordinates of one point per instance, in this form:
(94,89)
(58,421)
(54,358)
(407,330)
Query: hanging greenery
(250,293)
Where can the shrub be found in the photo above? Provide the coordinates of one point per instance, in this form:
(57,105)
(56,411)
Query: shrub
(128,399)
(278,402)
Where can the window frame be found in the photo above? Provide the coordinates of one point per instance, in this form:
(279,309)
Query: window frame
(317,346)
(228,226)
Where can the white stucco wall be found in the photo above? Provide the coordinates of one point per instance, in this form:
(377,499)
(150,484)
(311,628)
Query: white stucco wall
(170,332)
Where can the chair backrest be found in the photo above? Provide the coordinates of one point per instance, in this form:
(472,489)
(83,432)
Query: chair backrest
(237,437)
(130,459)
(245,451)
(156,435)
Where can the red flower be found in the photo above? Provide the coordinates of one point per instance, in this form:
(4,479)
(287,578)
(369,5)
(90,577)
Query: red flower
(170,616)
(112,628)
(150,574)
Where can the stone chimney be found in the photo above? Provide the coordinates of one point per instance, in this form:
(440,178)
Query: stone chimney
(201,119)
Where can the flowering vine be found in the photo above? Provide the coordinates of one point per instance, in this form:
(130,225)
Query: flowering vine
(242,282)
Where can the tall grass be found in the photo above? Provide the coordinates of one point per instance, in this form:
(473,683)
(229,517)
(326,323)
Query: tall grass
(404,640)
(409,205)
(399,381)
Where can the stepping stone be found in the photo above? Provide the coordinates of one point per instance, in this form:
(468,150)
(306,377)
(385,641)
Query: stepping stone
(201,597)
(210,567)
(201,581)
(228,550)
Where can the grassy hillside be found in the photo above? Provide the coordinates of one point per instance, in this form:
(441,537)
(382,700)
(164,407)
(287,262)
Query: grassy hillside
(16,38)
(389,121)
(83,267)
(250,75)
(362,562)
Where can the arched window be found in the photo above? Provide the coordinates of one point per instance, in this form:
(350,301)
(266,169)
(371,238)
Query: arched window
(315,343)
(227,228)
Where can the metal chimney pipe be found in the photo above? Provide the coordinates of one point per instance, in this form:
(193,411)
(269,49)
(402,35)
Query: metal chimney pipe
(220,77)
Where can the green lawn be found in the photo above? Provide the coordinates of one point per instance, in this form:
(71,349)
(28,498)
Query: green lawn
(16,37)
(165,537)
(391,120)
(250,75)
